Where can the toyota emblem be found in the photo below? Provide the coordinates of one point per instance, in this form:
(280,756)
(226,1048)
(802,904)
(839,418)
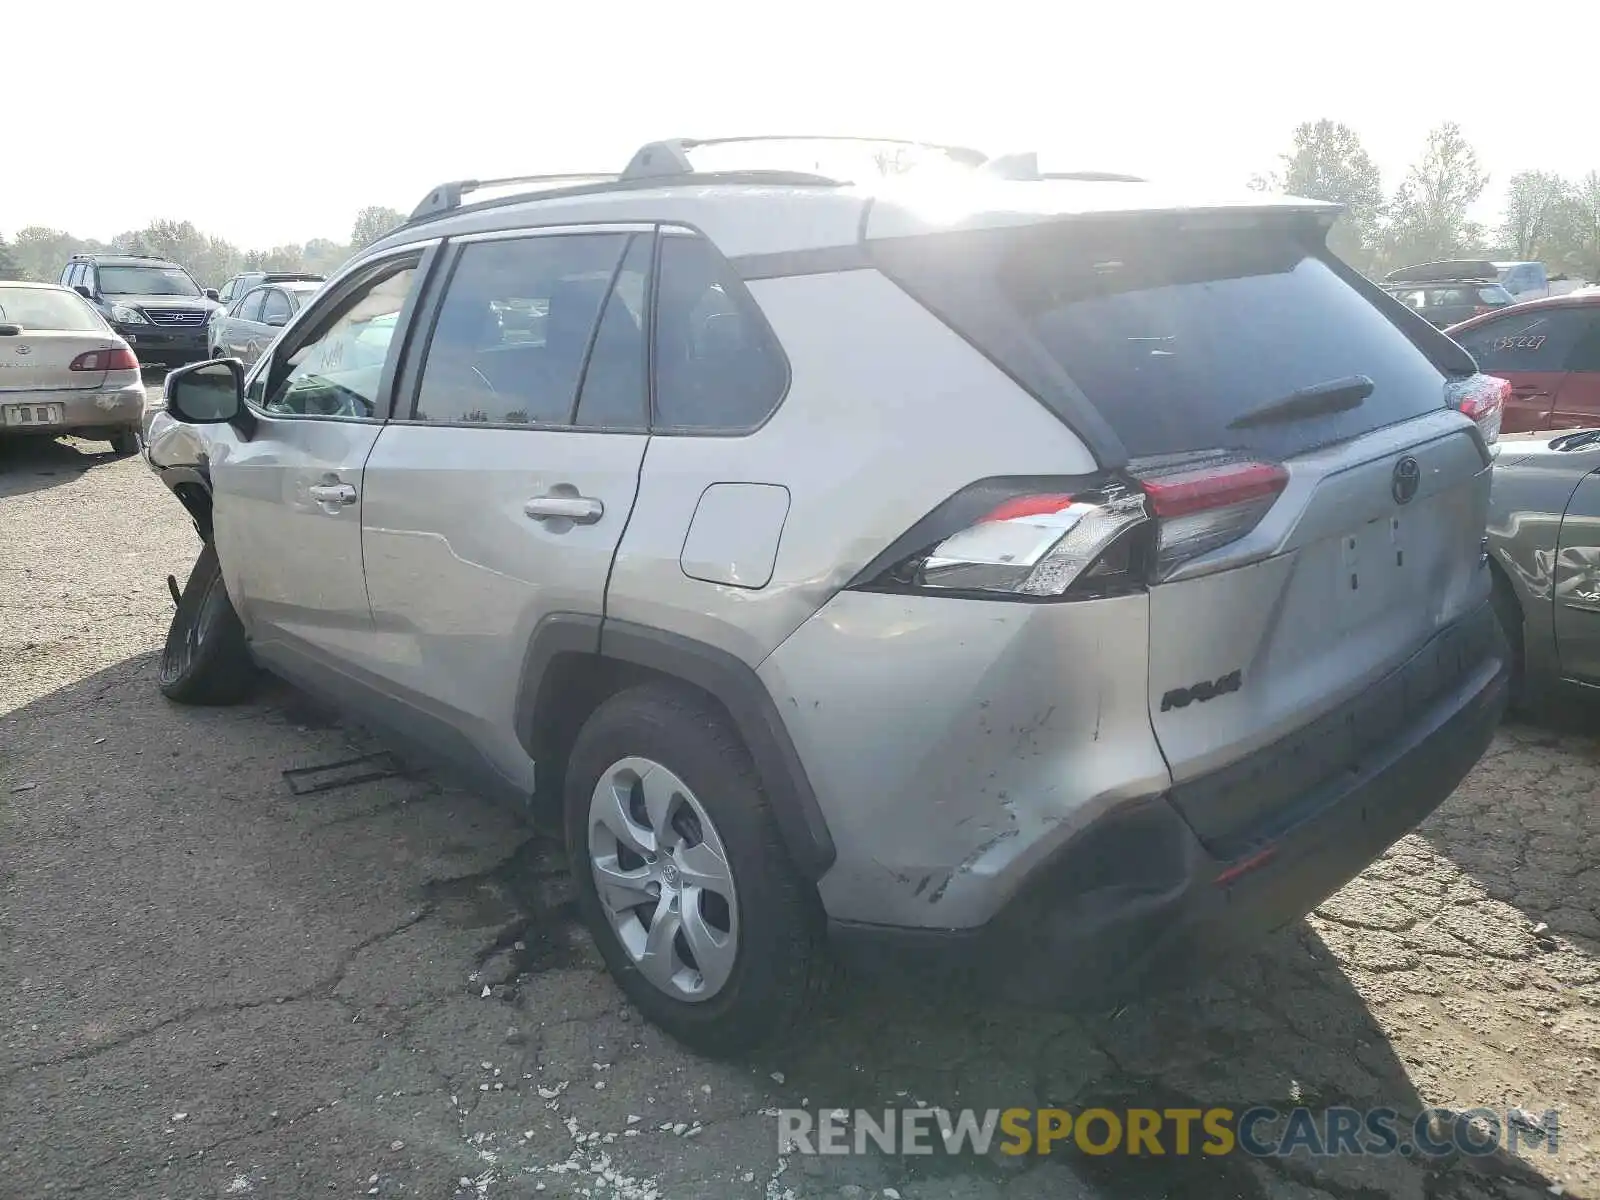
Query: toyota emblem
(1407,478)
(24,349)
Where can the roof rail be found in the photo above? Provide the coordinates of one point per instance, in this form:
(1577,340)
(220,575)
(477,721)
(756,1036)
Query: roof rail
(669,160)
(448,195)
(671,157)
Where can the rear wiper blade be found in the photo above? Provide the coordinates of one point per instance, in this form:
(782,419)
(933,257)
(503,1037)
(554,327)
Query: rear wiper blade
(1336,395)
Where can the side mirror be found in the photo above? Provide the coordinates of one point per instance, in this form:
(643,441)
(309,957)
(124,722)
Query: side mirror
(84,292)
(207,393)
(211,294)
(276,320)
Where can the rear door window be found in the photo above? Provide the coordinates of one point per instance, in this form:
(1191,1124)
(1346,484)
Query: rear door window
(275,306)
(1174,332)
(1585,355)
(250,306)
(515,327)
(1531,341)
(719,368)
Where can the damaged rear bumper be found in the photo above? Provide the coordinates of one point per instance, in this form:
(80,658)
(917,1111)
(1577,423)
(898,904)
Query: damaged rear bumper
(1137,901)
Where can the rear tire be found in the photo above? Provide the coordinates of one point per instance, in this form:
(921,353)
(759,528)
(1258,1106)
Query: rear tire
(1508,611)
(125,441)
(205,660)
(761,962)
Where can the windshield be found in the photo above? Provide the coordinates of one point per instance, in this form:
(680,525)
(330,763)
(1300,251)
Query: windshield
(45,308)
(146,281)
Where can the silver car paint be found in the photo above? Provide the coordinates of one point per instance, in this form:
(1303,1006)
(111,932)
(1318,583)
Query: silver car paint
(869,368)
(953,744)
(459,574)
(1275,604)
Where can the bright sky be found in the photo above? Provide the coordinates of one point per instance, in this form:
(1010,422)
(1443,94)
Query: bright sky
(272,121)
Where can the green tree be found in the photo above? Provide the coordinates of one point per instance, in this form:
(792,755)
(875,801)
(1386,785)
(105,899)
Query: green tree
(325,256)
(9,267)
(41,252)
(1428,215)
(1328,162)
(372,223)
(1581,229)
(1539,210)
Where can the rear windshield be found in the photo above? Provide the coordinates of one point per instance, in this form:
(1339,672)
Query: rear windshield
(146,281)
(45,308)
(1173,334)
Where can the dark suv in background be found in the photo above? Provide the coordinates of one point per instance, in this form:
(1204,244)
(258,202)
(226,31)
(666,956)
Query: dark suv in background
(1449,291)
(153,303)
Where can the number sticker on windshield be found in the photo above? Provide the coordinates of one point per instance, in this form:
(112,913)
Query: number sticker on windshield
(1524,342)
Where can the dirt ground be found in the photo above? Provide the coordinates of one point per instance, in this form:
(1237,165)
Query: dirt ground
(210,986)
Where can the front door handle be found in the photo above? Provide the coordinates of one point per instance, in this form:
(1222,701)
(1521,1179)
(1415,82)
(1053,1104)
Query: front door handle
(332,493)
(580,510)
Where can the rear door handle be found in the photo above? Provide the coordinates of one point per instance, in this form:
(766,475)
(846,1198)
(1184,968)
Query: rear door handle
(580,510)
(332,493)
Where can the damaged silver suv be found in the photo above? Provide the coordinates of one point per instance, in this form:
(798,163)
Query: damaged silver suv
(1051,581)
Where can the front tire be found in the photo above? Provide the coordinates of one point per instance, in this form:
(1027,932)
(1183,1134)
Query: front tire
(205,660)
(682,875)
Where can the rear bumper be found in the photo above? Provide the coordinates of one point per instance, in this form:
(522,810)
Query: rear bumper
(120,408)
(166,343)
(1136,902)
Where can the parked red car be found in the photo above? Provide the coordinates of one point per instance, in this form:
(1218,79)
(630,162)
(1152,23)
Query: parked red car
(1549,350)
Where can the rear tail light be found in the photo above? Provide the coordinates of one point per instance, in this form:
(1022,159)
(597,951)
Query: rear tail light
(1483,398)
(118,358)
(1024,540)
(1205,501)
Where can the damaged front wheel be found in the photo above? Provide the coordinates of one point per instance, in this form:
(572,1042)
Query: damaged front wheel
(205,659)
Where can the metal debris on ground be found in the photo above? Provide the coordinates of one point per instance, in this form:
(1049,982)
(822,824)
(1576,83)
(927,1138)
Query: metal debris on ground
(304,780)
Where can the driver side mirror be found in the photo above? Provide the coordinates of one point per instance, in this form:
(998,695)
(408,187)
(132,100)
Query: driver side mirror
(207,393)
(84,292)
(276,320)
(211,294)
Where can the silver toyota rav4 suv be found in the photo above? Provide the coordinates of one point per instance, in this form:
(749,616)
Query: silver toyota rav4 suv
(1046,582)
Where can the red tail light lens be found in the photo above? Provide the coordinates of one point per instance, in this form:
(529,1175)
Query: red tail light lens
(1022,539)
(1483,398)
(1012,539)
(1205,501)
(117,358)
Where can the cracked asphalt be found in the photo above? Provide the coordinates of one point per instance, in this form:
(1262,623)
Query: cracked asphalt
(210,986)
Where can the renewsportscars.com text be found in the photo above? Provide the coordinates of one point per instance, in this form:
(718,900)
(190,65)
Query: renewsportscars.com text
(1260,1131)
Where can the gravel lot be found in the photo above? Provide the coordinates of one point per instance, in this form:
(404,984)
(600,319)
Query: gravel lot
(212,987)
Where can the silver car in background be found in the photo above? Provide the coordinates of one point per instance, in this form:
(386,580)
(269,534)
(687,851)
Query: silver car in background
(64,370)
(249,325)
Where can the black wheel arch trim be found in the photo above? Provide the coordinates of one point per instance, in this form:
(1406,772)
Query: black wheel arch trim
(180,481)
(731,682)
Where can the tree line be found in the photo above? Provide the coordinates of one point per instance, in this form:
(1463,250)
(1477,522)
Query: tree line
(1546,217)
(39,253)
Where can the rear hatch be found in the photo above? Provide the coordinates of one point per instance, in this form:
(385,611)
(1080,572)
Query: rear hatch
(1319,507)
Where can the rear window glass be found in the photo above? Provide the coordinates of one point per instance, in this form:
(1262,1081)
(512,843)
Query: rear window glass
(42,308)
(1173,334)
(1531,341)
